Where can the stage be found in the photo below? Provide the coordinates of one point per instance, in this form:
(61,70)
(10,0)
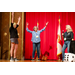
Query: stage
(31,61)
(48,44)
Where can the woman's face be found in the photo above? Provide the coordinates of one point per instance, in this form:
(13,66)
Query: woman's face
(35,29)
(14,25)
(67,29)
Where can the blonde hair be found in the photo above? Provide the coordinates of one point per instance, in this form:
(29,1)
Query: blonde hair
(35,27)
(68,27)
(14,23)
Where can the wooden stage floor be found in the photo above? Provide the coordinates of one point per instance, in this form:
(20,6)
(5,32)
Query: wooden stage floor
(30,61)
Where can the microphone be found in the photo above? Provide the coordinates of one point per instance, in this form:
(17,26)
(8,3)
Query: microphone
(62,31)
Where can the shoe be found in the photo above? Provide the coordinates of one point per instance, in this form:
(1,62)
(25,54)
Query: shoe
(32,60)
(15,59)
(11,60)
(38,60)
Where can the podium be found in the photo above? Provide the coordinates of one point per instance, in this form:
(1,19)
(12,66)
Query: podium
(70,57)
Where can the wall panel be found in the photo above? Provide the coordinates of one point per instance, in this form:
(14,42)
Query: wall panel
(5,20)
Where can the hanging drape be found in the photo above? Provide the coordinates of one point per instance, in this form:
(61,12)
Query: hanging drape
(49,36)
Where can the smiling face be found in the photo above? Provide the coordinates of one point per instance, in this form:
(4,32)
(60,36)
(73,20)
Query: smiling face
(35,28)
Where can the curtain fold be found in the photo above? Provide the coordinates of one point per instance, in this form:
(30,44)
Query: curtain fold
(49,36)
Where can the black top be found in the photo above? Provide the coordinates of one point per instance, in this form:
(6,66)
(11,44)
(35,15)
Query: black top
(13,31)
(68,36)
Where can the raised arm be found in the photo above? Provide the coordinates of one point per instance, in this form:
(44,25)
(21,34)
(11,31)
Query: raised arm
(12,17)
(46,24)
(18,20)
(27,28)
(44,27)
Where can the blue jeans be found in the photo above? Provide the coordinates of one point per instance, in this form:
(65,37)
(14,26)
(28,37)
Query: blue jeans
(66,44)
(34,49)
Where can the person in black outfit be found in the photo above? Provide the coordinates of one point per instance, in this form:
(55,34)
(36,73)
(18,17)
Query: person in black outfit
(14,38)
(68,37)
